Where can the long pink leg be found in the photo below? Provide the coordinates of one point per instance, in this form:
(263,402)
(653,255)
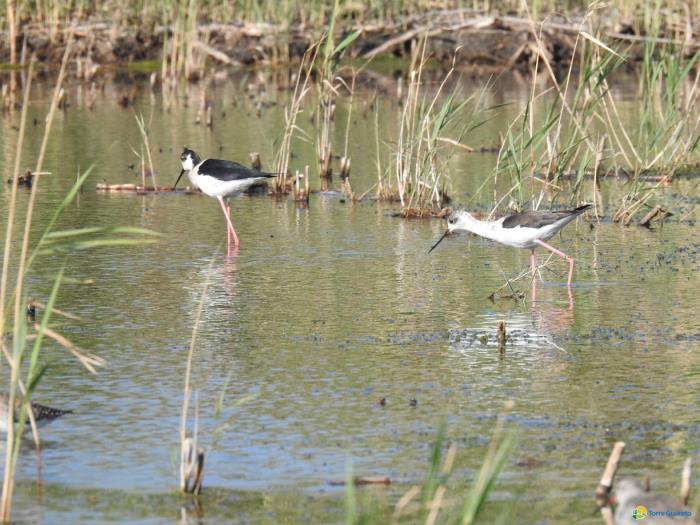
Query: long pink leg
(227,215)
(233,230)
(230,230)
(533,266)
(560,254)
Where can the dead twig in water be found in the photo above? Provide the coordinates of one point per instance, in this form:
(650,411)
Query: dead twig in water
(602,493)
(685,481)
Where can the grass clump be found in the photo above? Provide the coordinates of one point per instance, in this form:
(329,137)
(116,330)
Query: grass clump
(429,503)
(432,125)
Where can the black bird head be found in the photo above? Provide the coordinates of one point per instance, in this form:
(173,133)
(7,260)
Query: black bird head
(189,159)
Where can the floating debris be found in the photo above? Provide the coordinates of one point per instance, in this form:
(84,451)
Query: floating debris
(368,480)
(479,337)
(138,188)
(658,213)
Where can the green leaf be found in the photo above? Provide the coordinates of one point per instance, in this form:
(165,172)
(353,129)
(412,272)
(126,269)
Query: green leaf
(346,42)
(94,243)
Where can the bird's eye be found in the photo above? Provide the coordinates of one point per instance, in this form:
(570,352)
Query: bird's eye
(452,220)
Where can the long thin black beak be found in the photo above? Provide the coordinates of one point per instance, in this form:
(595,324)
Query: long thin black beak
(178,179)
(447,232)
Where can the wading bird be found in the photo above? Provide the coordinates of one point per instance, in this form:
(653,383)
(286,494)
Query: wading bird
(521,230)
(42,413)
(221,179)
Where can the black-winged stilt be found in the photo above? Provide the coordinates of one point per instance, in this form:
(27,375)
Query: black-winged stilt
(42,413)
(520,230)
(221,179)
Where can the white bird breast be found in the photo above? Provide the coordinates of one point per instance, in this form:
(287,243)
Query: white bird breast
(223,188)
(523,237)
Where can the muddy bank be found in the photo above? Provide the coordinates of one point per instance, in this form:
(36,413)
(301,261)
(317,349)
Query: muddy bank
(472,38)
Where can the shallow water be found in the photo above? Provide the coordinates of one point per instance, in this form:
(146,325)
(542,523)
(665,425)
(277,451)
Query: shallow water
(325,311)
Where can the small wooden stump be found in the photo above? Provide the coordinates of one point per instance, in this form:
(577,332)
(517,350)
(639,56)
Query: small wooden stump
(602,493)
(502,337)
(255,161)
(685,481)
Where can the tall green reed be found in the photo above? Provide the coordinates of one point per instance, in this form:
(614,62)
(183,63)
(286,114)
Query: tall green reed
(329,87)
(432,123)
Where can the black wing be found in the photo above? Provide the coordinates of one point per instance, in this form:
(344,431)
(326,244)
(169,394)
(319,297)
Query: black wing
(228,170)
(539,219)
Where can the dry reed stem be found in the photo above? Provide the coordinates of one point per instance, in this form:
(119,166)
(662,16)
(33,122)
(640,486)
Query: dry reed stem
(8,480)
(553,78)
(144,136)
(290,118)
(436,503)
(40,160)
(351,89)
(54,310)
(23,390)
(89,361)
(13,199)
(12,26)
(404,501)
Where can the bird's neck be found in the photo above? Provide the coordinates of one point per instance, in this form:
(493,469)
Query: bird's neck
(474,225)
